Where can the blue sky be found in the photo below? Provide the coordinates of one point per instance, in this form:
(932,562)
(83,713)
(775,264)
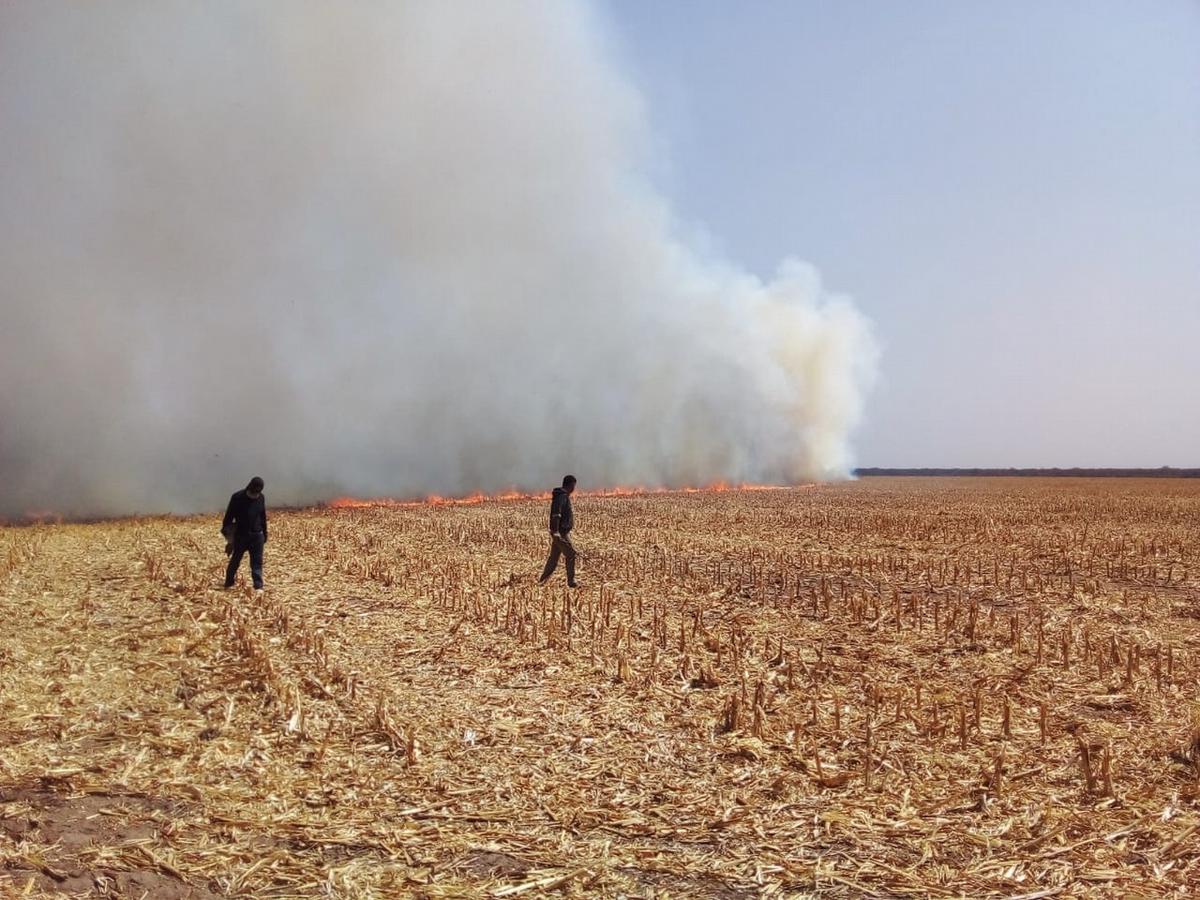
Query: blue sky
(1011,191)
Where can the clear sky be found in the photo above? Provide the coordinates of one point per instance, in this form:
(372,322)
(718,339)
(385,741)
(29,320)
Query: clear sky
(1011,191)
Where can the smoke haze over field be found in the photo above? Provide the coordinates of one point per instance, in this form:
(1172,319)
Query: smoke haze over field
(371,249)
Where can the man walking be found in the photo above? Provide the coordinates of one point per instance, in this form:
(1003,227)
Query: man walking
(245,528)
(562,520)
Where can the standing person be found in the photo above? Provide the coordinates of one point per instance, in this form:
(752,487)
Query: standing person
(245,528)
(562,520)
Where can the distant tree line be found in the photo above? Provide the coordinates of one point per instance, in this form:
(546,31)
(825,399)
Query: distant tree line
(1163,472)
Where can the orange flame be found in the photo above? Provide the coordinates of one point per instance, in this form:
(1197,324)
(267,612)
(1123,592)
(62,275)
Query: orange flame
(473,499)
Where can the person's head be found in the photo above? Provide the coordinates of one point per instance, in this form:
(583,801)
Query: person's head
(569,483)
(255,487)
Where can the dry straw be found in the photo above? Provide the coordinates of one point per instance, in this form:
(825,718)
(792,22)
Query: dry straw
(892,687)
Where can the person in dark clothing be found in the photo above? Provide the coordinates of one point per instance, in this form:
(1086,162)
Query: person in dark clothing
(562,520)
(245,529)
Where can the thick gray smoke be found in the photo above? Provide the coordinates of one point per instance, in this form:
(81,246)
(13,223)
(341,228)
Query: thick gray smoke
(371,249)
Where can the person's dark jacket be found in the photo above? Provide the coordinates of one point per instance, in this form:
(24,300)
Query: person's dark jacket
(245,516)
(562,519)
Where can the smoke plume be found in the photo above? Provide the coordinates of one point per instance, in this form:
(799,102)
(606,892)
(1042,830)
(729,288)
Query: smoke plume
(371,249)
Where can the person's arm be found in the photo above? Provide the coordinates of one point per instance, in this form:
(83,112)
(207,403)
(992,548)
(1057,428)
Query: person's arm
(264,517)
(555,514)
(227,523)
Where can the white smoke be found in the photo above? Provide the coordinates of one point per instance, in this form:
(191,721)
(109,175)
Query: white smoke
(374,249)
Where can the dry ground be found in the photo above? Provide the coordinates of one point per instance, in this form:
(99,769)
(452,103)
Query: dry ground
(891,687)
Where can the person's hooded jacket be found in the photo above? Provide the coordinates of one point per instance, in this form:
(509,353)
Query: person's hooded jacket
(245,517)
(562,519)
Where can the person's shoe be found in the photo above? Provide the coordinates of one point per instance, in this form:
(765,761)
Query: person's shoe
(573,584)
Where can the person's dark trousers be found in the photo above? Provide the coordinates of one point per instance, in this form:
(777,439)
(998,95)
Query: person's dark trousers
(254,544)
(560,547)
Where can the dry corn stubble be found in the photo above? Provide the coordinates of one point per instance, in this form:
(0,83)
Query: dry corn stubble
(981,687)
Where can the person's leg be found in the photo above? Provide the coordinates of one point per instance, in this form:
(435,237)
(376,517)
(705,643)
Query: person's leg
(256,560)
(552,562)
(569,553)
(235,560)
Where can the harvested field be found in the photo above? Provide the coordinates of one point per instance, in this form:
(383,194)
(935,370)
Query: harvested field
(898,687)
